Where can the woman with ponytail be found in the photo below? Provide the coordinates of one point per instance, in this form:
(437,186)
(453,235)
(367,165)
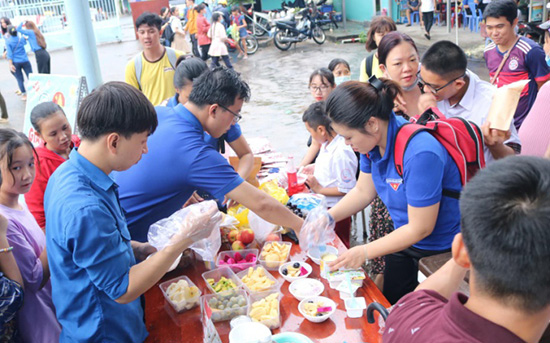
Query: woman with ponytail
(38,45)
(425,220)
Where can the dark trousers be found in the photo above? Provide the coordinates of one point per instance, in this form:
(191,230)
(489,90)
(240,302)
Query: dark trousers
(195,45)
(216,62)
(3,107)
(204,52)
(428,19)
(19,68)
(401,273)
(42,61)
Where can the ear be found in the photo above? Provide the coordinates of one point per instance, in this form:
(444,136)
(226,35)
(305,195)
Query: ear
(372,126)
(383,69)
(460,83)
(460,253)
(39,135)
(515,22)
(113,141)
(321,130)
(212,111)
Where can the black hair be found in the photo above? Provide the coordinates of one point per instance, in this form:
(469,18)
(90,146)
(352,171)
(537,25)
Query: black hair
(353,103)
(379,24)
(336,62)
(115,107)
(325,74)
(215,17)
(390,41)
(10,140)
(164,9)
(445,59)
(501,8)
(200,7)
(188,68)
(173,9)
(235,8)
(149,19)
(316,116)
(12,30)
(505,216)
(8,23)
(220,86)
(43,111)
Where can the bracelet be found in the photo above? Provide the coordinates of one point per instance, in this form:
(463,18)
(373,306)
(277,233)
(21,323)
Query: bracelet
(8,249)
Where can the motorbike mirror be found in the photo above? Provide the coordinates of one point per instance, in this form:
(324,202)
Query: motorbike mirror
(378,307)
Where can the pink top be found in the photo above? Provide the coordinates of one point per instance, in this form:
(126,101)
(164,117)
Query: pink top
(535,130)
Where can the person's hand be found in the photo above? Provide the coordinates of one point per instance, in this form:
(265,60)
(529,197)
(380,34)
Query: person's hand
(351,259)
(494,137)
(313,184)
(229,202)
(426,101)
(309,169)
(142,250)
(399,104)
(195,198)
(12,68)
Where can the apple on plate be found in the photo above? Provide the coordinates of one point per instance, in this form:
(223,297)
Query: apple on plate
(246,236)
(237,245)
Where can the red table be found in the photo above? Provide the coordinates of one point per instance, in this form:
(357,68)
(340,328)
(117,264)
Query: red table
(165,325)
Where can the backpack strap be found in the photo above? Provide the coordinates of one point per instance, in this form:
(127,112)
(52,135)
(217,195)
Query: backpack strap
(368,63)
(172,58)
(402,140)
(138,63)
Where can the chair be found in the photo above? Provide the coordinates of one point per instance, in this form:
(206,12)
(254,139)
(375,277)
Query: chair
(477,21)
(413,14)
(469,18)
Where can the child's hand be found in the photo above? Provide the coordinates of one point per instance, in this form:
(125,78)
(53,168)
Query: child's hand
(309,169)
(313,184)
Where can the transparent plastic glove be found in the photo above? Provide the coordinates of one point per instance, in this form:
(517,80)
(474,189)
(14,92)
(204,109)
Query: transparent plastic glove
(318,228)
(208,248)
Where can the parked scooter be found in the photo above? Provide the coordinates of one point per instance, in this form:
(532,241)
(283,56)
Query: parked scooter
(292,31)
(532,31)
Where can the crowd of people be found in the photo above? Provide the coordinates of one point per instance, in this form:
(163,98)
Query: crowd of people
(73,257)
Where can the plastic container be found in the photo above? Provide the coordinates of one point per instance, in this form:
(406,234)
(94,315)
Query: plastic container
(183,305)
(239,320)
(315,254)
(355,307)
(326,303)
(289,278)
(303,288)
(237,267)
(275,288)
(272,323)
(229,313)
(274,265)
(250,333)
(217,274)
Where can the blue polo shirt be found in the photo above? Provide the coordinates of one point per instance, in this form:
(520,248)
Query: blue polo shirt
(31,37)
(90,256)
(178,163)
(428,169)
(15,47)
(232,134)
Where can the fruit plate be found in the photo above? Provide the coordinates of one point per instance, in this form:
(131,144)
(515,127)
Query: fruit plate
(235,303)
(287,266)
(269,264)
(186,303)
(290,337)
(217,274)
(274,288)
(272,322)
(237,267)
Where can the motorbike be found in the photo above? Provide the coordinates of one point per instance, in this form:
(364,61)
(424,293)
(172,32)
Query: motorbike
(250,40)
(532,31)
(290,31)
(324,17)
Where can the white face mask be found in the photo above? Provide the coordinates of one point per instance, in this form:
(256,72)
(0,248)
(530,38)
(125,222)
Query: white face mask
(340,79)
(406,89)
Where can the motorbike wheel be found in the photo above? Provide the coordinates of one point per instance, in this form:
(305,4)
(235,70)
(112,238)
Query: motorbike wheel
(251,44)
(281,45)
(319,35)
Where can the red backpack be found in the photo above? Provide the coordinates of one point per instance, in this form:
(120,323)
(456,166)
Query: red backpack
(460,137)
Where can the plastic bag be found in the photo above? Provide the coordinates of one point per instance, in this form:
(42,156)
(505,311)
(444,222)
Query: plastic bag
(318,228)
(240,213)
(196,222)
(273,189)
(261,228)
(209,247)
(307,201)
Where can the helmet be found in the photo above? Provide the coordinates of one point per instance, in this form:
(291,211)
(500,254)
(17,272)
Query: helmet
(222,2)
(545,26)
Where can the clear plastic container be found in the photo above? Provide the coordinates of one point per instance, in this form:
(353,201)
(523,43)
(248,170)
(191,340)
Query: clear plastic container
(217,274)
(183,305)
(275,288)
(274,322)
(237,267)
(274,265)
(212,302)
(355,307)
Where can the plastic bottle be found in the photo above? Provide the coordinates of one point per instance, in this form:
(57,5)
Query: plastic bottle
(292,177)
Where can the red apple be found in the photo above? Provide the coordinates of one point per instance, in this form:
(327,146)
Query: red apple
(273,237)
(232,236)
(246,236)
(237,245)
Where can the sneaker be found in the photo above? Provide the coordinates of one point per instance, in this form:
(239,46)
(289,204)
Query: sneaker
(427,36)
(4,120)
(24,97)
(408,24)
(18,92)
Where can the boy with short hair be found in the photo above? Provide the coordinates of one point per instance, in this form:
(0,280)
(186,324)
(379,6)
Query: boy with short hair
(504,243)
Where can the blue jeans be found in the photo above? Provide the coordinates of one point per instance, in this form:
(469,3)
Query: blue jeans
(19,68)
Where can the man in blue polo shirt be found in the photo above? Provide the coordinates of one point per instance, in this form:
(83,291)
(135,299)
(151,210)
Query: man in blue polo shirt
(180,162)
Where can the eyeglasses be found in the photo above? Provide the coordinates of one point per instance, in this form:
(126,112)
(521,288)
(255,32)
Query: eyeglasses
(237,116)
(322,88)
(434,89)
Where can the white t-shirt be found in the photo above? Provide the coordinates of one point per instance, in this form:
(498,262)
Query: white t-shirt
(336,166)
(427,6)
(175,24)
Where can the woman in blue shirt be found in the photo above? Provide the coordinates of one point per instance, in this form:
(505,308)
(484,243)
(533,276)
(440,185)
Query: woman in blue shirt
(38,45)
(425,221)
(17,58)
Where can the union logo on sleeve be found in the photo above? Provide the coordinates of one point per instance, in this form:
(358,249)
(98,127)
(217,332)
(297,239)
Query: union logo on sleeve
(394,183)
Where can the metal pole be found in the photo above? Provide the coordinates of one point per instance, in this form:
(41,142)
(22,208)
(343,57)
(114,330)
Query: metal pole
(344,13)
(84,46)
(448,16)
(456,20)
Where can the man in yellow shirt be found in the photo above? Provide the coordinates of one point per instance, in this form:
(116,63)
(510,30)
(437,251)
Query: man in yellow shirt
(191,26)
(152,71)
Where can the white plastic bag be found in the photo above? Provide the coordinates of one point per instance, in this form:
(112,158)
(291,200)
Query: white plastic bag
(209,247)
(196,222)
(318,228)
(261,228)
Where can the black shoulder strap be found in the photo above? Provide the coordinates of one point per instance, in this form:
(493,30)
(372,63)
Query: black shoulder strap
(368,62)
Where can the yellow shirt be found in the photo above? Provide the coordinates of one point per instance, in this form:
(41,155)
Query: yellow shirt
(157,78)
(363,77)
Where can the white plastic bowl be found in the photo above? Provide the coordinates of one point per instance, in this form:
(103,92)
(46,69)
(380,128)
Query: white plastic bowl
(304,288)
(315,319)
(289,264)
(355,307)
(315,254)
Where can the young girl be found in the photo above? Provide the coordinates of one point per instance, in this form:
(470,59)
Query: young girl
(36,320)
(18,59)
(336,164)
(219,37)
(379,27)
(202,29)
(38,45)
(238,19)
(340,69)
(52,126)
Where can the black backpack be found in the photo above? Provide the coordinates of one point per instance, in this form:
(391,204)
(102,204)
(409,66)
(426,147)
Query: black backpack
(168,33)
(368,63)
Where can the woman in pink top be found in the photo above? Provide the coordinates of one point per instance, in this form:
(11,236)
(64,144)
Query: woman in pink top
(535,130)
(202,31)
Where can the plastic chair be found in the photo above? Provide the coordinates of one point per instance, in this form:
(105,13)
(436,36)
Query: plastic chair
(413,14)
(477,21)
(469,18)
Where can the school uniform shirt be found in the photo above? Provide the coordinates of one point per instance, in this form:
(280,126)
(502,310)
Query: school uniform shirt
(178,163)
(157,77)
(526,62)
(31,36)
(336,166)
(474,106)
(90,256)
(427,170)
(36,321)
(15,47)
(426,316)
(427,6)
(48,161)
(218,36)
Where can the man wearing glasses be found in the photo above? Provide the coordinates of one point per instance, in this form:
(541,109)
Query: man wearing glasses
(458,92)
(180,162)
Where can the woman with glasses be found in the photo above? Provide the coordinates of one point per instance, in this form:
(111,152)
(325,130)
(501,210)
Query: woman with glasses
(425,220)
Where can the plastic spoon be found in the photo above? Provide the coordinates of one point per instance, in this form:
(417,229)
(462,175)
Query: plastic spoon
(348,281)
